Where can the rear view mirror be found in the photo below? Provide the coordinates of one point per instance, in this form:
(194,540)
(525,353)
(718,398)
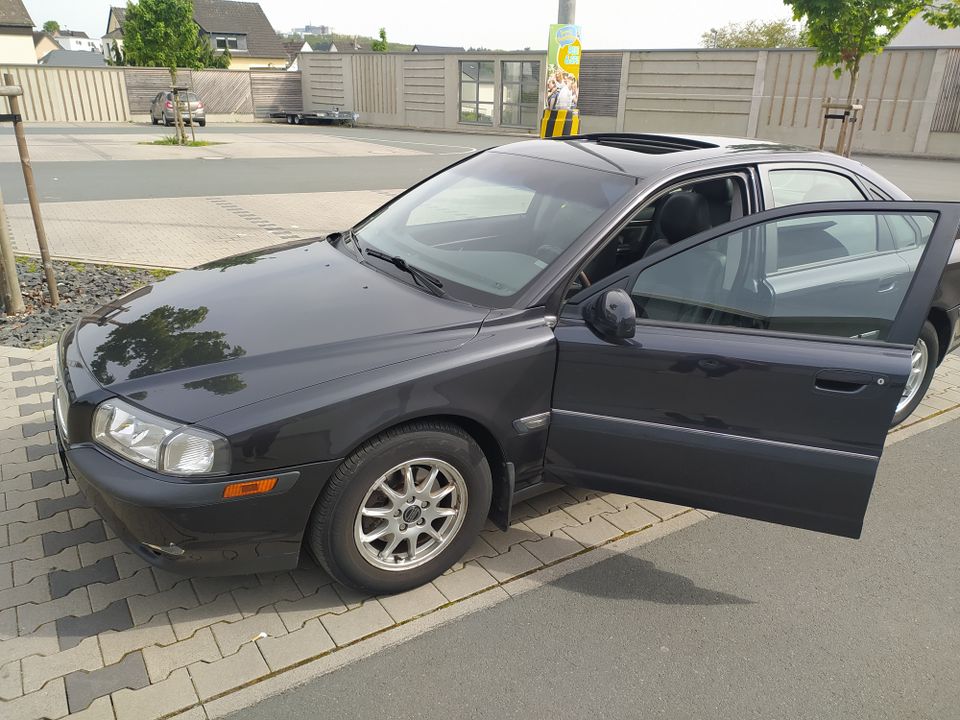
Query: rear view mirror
(612,315)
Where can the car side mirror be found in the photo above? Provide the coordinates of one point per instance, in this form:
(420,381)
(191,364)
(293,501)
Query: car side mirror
(612,315)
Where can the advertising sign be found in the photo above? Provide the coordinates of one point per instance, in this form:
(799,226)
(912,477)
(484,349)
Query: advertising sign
(563,68)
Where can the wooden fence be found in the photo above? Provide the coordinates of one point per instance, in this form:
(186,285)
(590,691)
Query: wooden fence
(52,94)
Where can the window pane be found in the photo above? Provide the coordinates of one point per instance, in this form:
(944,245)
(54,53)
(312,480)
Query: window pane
(531,72)
(510,115)
(511,71)
(486,71)
(468,92)
(468,112)
(791,187)
(232,43)
(511,94)
(530,94)
(485,111)
(485,92)
(723,282)
(529,115)
(468,70)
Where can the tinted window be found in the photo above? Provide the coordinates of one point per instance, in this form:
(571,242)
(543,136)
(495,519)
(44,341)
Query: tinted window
(737,280)
(490,225)
(792,187)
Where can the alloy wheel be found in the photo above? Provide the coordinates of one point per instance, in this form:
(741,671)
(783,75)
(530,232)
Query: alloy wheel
(919,360)
(410,514)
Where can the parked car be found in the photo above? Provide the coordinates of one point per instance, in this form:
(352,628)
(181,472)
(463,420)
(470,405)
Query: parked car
(163,112)
(728,324)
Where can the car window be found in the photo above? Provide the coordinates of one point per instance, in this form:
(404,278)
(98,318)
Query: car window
(795,186)
(727,281)
(491,224)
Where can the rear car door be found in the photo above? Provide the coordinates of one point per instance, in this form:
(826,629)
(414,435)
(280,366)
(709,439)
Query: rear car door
(738,393)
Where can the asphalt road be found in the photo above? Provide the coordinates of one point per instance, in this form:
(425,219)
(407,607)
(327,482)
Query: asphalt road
(726,619)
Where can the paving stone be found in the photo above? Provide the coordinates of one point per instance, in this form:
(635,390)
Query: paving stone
(82,516)
(470,579)
(30,430)
(18,498)
(129,563)
(6,576)
(631,518)
(556,547)
(355,624)
(516,561)
(23,514)
(63,581)
(83,687)
(29,374)
(26,570)
(35,452)
(31,549)
(231,636)
(100,709)
(11,685)
(46,704)
(35,591)
(410,604)
(49,508)
(351,597)
(587,509)
(140,583)
(166,579)
(42,478)
(57,541)
(619,501)
(144,607)
(548,522)
(158,700)
(296,613)
(501,541)
(71,630)
(480,548)
(32,615)
(114,645)
(28,390)
(595,532)
(161,660)
(91,553)
(16,469)
(38,670)
(310,579)
(308,642)
(212,679)
(251,600)
(21,531)
(187,622)
(210,588)
(662,510)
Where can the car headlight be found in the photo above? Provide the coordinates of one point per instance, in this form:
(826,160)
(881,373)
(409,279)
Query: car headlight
(158,443)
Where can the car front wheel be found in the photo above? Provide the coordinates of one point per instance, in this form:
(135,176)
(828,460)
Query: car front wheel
(402,508)
(923,363)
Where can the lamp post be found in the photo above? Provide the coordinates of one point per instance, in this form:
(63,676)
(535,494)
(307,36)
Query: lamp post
(567,12)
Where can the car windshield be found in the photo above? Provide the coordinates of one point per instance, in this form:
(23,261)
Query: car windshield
(490,225)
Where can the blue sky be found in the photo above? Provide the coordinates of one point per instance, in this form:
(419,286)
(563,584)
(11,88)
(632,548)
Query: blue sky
(507,24)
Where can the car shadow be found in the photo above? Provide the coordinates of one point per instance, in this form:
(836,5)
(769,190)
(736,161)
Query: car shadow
(623,576)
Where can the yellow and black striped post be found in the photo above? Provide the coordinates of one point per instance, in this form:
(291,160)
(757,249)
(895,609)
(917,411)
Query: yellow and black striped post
(559,123)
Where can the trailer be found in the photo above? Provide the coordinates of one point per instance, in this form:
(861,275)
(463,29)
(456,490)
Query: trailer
(302,117)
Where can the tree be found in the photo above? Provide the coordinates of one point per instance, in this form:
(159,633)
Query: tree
(844,31)
(755,34)
(51,26)
(381,44)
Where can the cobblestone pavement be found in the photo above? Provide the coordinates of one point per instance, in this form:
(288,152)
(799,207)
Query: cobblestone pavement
(88,629)
(184,232)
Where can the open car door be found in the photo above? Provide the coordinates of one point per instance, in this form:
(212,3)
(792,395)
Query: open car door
(764,365)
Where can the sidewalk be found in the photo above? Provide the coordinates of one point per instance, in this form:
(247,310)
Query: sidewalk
(88,627)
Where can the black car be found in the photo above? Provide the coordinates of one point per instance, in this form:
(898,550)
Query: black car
(728,324)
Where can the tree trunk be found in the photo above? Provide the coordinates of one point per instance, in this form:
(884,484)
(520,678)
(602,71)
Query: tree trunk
(178,114)
(848,112)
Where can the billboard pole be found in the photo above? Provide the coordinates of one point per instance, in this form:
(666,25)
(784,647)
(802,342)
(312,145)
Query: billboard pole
(567,12)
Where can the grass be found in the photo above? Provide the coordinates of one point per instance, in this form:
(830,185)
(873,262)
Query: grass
(172,140)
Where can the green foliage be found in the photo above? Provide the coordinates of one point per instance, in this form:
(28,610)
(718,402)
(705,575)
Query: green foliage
(843,31)
(51,26)
(161,33)
(755,34)
(381,44)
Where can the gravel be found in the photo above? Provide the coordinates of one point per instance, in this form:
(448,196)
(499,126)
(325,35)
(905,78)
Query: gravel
(83,287)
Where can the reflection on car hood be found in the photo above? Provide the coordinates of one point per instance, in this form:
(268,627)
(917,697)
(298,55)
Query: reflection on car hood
(254,326)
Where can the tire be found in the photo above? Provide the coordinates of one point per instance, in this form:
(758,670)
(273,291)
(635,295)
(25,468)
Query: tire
(297,120)
(202,123)
(153,120)
(334,533)
(928,348)
(166,122)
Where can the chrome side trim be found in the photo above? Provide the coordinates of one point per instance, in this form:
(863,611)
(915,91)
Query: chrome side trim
(712,433)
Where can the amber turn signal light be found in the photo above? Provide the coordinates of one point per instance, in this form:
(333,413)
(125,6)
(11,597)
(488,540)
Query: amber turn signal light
(250,487)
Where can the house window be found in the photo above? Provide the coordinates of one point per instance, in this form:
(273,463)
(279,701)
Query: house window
(521,93)
(230,42)
(476,91)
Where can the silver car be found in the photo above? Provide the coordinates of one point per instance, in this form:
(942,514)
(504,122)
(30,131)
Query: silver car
(162,109)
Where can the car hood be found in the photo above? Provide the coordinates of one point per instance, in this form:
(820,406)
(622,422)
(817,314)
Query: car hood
(251,327)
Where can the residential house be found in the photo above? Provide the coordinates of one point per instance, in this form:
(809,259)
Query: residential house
(76,40)
(293,48)
(44,43)
(437,49)
(919,33)
(73,58)
(16,34)
(241,28)
(326,46)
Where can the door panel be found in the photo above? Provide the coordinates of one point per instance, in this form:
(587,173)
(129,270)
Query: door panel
(743,418)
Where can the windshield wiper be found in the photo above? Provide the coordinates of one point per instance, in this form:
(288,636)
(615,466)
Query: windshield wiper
(423,279)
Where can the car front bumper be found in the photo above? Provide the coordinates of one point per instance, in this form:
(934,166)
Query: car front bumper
(186,526)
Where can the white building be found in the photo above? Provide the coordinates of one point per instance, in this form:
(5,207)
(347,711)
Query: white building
(76,40)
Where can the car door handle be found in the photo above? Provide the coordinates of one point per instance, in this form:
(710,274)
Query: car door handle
(887,284)
(842,381)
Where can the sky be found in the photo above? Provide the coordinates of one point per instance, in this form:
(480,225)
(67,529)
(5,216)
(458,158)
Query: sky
(495,24)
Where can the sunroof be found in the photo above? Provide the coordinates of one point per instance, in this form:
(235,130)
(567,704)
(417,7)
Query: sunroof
(650,144)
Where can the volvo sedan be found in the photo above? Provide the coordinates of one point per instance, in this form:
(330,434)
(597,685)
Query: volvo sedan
(728,324)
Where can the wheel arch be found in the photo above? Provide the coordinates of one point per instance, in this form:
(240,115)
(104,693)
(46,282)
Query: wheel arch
(941,323)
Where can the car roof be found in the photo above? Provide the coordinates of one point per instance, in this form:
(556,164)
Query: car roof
(650,155)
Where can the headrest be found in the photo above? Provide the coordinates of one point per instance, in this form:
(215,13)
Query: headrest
(717,191)
(684,214)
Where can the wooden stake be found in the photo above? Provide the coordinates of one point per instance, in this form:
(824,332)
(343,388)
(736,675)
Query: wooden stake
(10,285)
